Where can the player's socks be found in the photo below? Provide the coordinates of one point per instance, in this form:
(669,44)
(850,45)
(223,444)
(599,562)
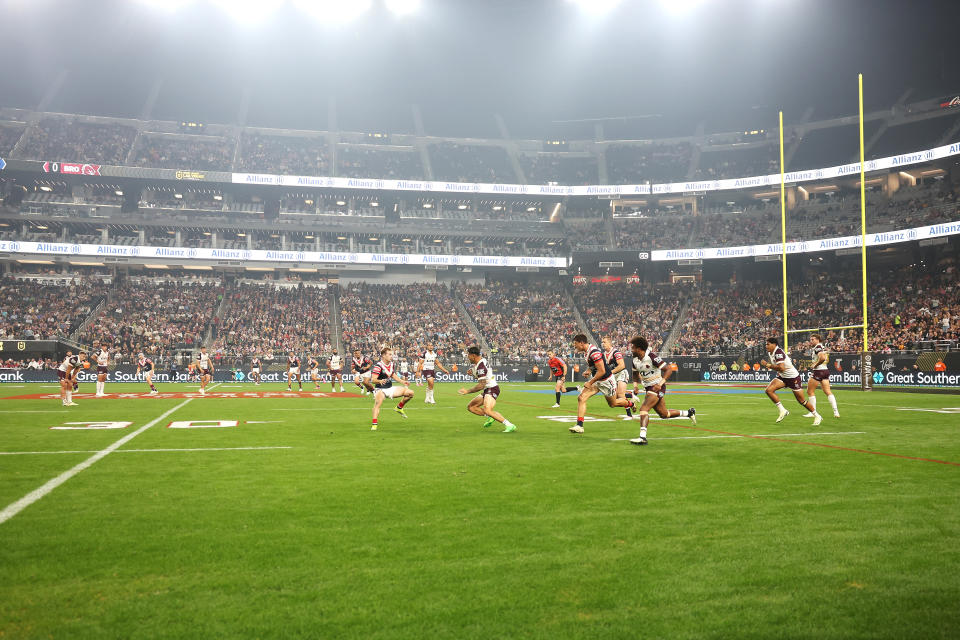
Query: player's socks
(558,397)
(833,404)
(577,428)
(813,402)
(683,413)
(402,403)
(571,389)
(69,397)
(374,427)
(509,427)
(152,388)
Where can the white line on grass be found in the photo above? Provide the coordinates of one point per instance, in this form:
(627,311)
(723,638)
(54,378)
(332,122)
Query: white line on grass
(16,507)
(35,411)
(407,408)
(753,435)
(37,453)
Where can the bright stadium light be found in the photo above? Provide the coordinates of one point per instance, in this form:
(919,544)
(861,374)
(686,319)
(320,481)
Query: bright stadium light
(249,11)
(402,7)
(334,10)
(596,7)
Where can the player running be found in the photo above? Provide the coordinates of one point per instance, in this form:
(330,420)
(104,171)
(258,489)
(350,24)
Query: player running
(205,369)
(558,368)
(405,369)
(335,367)
(383,375)
(617,365)
(653,372)
(361,365)
(601,381)
(255,367)
(787,376)
(293,369)
(485,403)
(820,376)
(66,372)
(102,358)
(314,366)
(429,363)
(145,365)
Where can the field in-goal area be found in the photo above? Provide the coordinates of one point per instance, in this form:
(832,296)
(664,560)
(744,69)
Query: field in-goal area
(287,517)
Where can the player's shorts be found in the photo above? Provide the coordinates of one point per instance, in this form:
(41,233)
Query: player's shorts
(61,374)
(389,392)
(314,371)
(101,369)
(294,371)
(791,383)
(608,387)
(661,393)
(204,372)
(148,372)
(821,374)
(623,376)
(255,370)
(365,375)
(493,392)
(429,373)
(334,372)
(559,377)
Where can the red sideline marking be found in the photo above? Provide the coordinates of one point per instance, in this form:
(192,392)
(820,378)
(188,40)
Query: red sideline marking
(774,439)
(182,395)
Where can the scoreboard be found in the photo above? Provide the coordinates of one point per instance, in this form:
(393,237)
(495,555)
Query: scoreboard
(11,348)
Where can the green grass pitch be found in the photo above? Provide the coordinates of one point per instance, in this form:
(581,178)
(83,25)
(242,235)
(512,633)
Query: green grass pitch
(300,522)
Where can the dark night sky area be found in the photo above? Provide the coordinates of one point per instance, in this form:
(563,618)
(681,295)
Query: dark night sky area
(729,63)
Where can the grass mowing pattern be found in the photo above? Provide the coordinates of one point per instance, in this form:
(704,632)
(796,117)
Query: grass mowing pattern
(435,527)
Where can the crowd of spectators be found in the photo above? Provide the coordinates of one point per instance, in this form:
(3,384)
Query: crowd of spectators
(9,135)
(284,155)
(620,310)
(738,163)
(471,163)
(42,310)
(546,168)
(404,317)
(726,319)
(373,162)
(265,319)
(155,317)
(519,320)
(638,164)
(65,140)
(160,151)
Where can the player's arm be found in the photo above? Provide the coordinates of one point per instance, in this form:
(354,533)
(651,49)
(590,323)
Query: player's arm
(601,372)
(481,383)
(822,358)
(621,365)
(441,367)
(396,376)
(777,366)
(665,372)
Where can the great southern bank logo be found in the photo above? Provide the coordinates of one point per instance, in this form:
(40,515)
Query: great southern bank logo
(706,375)
(877,377)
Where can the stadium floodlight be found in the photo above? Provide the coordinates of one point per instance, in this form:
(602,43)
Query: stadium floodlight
(402,7)
(249,11)
(333,11)
(596,7)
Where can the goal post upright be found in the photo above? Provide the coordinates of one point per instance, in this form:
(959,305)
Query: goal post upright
(866,365)
(783,238)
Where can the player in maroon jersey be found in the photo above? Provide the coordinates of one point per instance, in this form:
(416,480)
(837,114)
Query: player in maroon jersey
(485,403)
(820,376)
(382,377)
(558,369)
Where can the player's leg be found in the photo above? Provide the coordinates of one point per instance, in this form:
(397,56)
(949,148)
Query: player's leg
(650,400)
(475,406)
(812,384)
(63,391)
(585,394)
(802,400)
(489,409)
(149,378)
(558,388)
(431,381)
(771,391)
(832,399)
(378,397)
(406,394)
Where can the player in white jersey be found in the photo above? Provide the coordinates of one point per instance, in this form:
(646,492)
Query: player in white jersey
(205,368)
(382,376)
(335,367)
(485,403)
(404,369)
(787,376)
(429,363)
(820,376)
(70,366)
(102,357)
(145,366)
(651,371)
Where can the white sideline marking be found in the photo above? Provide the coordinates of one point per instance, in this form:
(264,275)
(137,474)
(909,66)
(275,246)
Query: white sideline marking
(14,508)
(406,408)
(35,411)
(37,453)
(753,435)
(24,502)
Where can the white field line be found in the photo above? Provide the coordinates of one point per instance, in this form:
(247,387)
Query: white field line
(35,411)
(14,508)
(753,435)
(37,453)
(406,408)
